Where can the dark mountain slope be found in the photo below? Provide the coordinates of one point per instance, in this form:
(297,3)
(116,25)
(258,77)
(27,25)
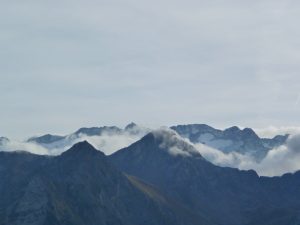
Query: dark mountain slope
(225,195)
(78,187)
(17,169)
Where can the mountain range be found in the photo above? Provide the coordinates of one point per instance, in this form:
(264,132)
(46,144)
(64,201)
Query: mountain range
(78,187)
(233,147)
(223,195)
(233,139)
(159,179)
(108,138)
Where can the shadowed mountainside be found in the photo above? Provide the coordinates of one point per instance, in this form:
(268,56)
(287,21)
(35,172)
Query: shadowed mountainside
(224,195)
(78,187)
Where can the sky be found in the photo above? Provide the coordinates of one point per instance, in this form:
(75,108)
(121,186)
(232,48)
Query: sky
(68,64)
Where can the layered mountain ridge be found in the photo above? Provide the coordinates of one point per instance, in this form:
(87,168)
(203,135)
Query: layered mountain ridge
(233,147)
(243,141)
(78,187)
(111,138)
(224,195)
(160,179)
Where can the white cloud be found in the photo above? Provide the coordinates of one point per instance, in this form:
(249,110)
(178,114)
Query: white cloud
(217,157)
(278,161)
(107,142)
(272,131)
(24,146)
(111,143)
(281,160)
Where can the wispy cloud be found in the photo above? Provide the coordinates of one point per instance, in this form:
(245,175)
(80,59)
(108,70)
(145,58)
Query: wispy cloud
(272,131)
(107,142)
(24,146)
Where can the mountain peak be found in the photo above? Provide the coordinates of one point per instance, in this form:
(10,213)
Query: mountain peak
(83,145)
(249,132)
(83,148)
(88,130)
(131,126)
(233,129)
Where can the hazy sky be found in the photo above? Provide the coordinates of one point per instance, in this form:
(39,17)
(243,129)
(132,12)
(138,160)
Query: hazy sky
(67,64)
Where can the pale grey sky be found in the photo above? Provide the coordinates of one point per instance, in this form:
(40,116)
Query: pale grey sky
(67,64)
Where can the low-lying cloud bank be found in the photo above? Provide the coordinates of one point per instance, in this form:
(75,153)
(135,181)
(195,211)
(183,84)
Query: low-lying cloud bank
(111,143)
(278,161)
(283,159)
(107,142)
(24,146)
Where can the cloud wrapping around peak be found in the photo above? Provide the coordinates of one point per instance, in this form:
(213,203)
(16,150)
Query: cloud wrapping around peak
(174,143)
(280,160)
